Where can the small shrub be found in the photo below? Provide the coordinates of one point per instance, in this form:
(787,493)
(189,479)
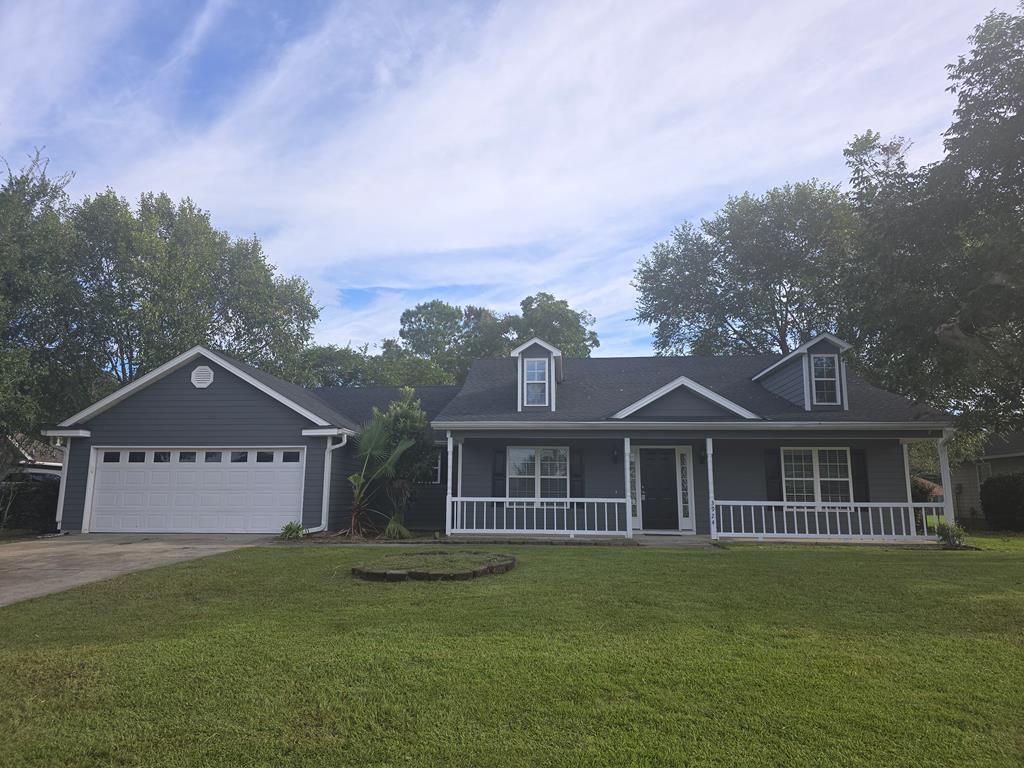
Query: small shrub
(1002,502)
(395,529)
(951,535)
(292,531)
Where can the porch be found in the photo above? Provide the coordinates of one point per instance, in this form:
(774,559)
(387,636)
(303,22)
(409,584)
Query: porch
(767,486)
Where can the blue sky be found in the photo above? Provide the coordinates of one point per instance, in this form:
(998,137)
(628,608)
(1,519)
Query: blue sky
(393,152)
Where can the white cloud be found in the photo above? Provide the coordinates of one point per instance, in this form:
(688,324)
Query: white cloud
(533,146)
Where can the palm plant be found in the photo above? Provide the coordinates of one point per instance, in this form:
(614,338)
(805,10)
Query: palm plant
(380,457)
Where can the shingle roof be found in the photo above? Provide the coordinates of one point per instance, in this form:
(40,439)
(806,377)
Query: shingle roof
(595,388)
(1002,445)
(358,402)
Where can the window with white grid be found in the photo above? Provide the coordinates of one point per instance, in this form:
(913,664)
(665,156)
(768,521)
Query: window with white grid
(817,474)
(825,370)
(536,381)
(538,472)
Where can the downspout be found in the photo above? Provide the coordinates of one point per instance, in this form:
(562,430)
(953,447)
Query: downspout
(326,508)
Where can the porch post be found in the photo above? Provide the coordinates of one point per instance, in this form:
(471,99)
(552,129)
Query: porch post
(629,490)
(947,478)
(448,501)
(709,445)
(906,470)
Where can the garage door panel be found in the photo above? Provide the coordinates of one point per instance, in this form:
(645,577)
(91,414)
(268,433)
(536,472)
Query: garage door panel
(224,497)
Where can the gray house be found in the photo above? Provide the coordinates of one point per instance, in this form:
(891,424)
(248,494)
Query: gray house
(1002,455)
(760,446)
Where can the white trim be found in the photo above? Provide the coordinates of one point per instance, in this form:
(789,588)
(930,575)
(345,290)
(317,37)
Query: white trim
(448,509)
(519,380)
(555,351)
(66,433)
(552,379)
(843,346)
(172,365)
(537,476)
(677,450)
(906,471)
(694,387)
(948,513)
(627,457)
(805,364)
(842,372)
(815,379)
(462,446)
(525,364)
(750,426)
(63,482)
(325,497)
(709,448)
(94,451)
(816,473)
(327,432)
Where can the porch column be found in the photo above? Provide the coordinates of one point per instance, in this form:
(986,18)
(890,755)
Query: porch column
(906,470)
(947,478)
(448,501)
(709,446)
(629,488)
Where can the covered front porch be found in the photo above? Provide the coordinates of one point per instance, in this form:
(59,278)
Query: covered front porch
(721,485)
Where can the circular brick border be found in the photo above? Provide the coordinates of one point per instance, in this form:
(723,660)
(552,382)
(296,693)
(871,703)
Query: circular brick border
(380,573)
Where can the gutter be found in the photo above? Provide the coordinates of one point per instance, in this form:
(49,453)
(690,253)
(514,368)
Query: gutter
(326,504)
(739,426)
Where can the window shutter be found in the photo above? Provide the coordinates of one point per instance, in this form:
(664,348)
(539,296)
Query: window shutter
(498,474)
(576,474)
(859,472)
(773,474)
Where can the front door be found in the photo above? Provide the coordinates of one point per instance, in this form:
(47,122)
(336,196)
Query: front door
(658,490)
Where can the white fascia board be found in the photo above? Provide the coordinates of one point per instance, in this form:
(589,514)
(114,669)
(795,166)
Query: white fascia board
(843,346)
(171,365)
(66,433)
(693,386)
(327,432)
(739,426)
(555,351)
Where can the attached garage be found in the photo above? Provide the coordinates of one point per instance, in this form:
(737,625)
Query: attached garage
(197,490)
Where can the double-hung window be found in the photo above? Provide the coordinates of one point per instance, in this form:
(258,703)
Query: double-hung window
(817,475)
(825,374)
(538,473)
(536,381)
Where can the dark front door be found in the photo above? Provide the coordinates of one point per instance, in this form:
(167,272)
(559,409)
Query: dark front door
(659,502)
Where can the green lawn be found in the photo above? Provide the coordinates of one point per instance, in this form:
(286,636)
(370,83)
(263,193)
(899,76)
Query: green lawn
(589,656)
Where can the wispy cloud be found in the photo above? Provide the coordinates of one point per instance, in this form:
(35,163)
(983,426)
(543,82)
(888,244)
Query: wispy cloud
(492,151)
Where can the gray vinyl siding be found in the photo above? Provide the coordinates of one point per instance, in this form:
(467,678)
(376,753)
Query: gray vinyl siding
(173,413)
(967,486)
(739,465)
(344,462)
(683,405)
(787,381)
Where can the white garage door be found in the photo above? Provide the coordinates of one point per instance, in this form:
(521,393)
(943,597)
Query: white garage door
(200,490)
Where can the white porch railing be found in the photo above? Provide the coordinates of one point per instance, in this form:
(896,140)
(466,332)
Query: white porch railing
(858,520)
(604,517)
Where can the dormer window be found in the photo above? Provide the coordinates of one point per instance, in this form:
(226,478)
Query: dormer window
(825,379)
(536,380)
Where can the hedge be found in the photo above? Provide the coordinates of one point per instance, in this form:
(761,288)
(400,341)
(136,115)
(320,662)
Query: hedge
(1002,502)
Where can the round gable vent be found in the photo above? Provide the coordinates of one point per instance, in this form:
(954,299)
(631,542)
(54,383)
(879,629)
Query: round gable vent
(202,377)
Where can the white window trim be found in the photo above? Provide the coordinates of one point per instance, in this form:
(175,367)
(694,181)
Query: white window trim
(817,472)
(835,379)
(537,476)
(547,381)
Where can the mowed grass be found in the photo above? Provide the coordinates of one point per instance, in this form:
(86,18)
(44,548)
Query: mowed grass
(747,655)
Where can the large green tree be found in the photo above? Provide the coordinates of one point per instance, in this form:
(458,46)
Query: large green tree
(761,275)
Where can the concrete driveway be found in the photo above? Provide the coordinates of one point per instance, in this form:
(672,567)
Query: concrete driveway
(42,566)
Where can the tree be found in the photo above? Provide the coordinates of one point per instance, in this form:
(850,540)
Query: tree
(380,457)
(762,275)
(557,323)
(332,366)
(452,337)
(404,421)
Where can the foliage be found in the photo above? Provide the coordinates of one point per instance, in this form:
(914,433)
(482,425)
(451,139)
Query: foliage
(97,293)
(951,535)
(380,456)
(557,323)
(28,505)
(920,269)
(292,531)
(405,421)
(1002,502)
(759,276)
(779,658)
(921,491)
